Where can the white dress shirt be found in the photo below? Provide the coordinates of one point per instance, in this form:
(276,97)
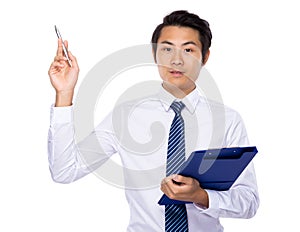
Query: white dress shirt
(138,131)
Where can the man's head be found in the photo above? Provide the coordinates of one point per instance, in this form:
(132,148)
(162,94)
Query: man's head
(183,18)
(180,48)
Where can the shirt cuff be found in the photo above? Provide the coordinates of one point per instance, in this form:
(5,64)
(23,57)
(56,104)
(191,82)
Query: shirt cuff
(61,114)
(213,207)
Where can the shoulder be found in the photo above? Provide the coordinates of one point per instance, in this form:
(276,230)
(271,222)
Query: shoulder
(218,108)
(128,108)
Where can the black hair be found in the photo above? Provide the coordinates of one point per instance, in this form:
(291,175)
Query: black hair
(183,18)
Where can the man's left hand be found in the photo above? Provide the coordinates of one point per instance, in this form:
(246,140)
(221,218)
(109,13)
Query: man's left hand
(183,188)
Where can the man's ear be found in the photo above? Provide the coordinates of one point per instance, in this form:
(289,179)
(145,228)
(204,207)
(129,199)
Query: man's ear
(154,55)
(206,57)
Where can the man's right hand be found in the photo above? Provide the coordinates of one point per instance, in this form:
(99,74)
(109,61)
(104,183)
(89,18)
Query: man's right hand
(63,77)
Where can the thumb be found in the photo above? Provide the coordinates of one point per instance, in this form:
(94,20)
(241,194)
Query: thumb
(180,178)
(73,60)
(66,44)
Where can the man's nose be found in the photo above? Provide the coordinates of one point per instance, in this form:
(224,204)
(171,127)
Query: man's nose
(177,58)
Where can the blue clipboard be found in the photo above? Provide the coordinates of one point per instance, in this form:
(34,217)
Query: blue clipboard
(215,169)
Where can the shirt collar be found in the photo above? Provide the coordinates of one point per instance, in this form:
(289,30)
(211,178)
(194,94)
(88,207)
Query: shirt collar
(190,100)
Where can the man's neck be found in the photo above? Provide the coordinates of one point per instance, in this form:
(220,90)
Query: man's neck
(177,92)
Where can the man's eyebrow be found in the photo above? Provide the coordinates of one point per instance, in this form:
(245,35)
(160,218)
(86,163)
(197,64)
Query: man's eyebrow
(167,42)
(189,42)
(186,43)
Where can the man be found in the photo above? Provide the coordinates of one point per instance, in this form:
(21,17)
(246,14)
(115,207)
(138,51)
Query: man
(180,48)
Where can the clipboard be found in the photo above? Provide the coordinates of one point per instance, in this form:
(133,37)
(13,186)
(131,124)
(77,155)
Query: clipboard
(215,169)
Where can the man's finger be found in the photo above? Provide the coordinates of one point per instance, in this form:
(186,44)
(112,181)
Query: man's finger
(164,187)
(59,51)
(182,179)
(66,43)
(60,58)
(57,64)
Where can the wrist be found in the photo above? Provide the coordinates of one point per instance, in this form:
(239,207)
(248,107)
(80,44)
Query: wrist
(64,98)
(202,198)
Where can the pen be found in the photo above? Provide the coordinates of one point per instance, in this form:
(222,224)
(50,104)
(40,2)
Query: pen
(64,47)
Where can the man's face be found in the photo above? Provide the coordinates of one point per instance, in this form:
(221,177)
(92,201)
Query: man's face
(179,57)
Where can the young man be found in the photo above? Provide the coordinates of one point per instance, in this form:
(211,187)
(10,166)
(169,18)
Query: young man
(180,48)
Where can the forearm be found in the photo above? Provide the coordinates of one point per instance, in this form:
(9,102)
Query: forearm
(68,160)
(65,167)
(241,201)
(64,98)
(201,198)
(235,203)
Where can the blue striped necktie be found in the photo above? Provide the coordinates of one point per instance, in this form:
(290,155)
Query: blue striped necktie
(175,215)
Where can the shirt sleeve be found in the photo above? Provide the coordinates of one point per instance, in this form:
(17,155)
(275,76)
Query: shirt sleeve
(68,160)
(242,199)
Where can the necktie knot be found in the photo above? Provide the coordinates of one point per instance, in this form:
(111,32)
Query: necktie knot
(177,107)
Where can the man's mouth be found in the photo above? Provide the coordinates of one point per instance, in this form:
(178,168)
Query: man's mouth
(176,73)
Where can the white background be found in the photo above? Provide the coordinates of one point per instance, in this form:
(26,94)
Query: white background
(254,60)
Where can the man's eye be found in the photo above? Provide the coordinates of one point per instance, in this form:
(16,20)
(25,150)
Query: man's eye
(188,50)
(167,49)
